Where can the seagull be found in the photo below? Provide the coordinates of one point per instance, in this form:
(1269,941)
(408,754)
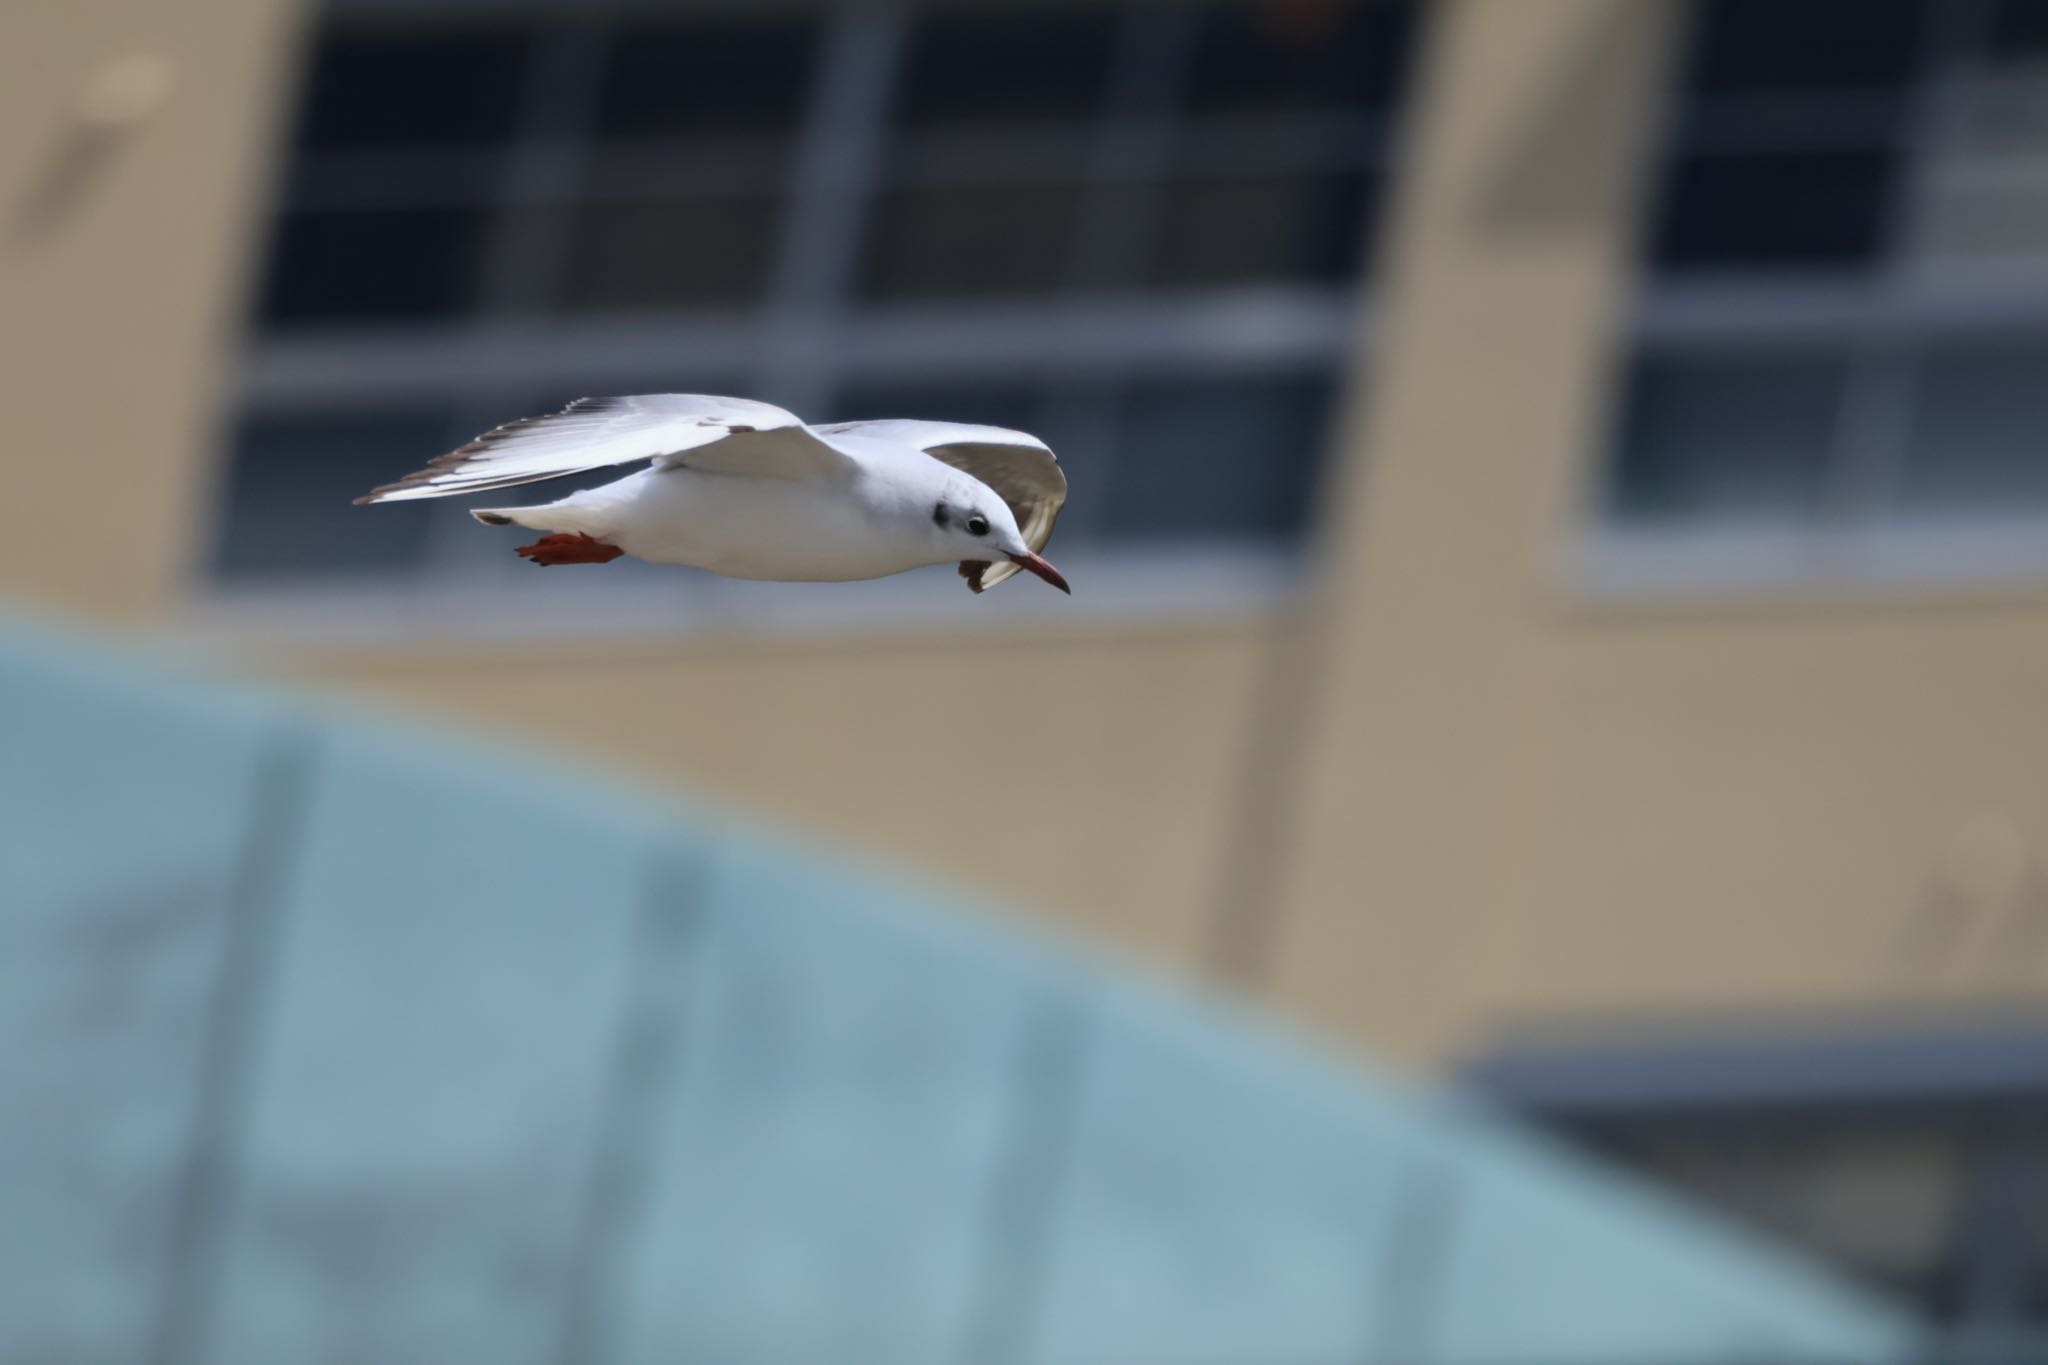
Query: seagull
(745,489)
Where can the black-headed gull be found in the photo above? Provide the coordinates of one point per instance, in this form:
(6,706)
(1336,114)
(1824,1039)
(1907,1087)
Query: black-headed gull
(747,490)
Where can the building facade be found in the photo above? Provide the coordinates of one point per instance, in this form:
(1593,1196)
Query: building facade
(1558,518)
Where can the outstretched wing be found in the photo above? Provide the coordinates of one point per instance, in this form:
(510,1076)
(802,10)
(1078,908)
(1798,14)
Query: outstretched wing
(1018,466)
(725,435)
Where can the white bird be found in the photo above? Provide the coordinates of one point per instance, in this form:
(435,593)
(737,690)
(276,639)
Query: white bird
(747,490)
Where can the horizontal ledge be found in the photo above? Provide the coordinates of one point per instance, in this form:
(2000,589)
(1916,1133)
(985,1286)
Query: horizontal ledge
(1249,327)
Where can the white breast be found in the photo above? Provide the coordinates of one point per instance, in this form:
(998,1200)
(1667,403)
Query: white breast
(786,530)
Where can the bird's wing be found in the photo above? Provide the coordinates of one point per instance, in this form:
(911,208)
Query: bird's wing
(1019,467)
(723,435)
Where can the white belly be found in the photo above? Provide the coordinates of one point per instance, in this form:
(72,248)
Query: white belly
(788,530)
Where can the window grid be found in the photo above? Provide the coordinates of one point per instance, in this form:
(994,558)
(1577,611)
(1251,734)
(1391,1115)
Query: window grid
(1885,315)
(1914,1157)
(815,337)
(1871,432)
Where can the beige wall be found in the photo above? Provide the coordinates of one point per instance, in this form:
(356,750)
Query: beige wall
(1521,805)
(1087,775)
(122,261)
(1457,797)
(1510,264)
(1791,808)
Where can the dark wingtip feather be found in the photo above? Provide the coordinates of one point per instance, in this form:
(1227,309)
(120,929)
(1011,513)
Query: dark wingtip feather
(462,454)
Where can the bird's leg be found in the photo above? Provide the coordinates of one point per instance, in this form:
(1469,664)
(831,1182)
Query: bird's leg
(567,549)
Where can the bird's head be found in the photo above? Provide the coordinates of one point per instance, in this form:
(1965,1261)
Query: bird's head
(972,524)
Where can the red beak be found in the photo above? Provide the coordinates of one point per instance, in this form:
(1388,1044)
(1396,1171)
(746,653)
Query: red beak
(1044,570)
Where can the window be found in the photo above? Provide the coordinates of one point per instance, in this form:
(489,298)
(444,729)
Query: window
(1272,426)
(405,87)
(1976,430)
(374,264)
(1133,228)
(1038,65)
(1727,436)
(1881,1195)
(1251,228)
(663,255)
(1784,210)
(1743,47)
(958,241)
(1846,287)
(404,135)
(1915,1160)
(1256,59)
(293,480)
(1089,149)
(747,74)
(2018,33)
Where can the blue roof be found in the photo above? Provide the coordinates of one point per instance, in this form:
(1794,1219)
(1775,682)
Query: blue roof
(324,1037)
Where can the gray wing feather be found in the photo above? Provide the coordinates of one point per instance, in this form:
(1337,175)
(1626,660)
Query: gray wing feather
(704,431)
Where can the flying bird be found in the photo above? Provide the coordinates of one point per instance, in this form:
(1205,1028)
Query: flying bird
(745,489)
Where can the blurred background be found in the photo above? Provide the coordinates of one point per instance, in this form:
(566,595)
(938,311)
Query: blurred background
(1559,527)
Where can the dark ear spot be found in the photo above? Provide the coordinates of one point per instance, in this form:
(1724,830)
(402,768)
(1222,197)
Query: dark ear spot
(940,515)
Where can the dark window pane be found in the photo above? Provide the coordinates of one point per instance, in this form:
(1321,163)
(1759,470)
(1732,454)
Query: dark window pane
(1743,437)
(1231,457)
(1977,438)
(1256,56)
(654,255)
(1080,426)
(363,267)
(407,87)
(1745,46)
(965,241)
(394,180)
(981,66)
(1217,231)
(288,505)
(2018,33)
(1824,209)
(1879,1196)
(676,77)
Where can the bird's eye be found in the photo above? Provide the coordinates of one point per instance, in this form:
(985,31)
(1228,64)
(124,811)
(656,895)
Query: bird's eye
(977,525)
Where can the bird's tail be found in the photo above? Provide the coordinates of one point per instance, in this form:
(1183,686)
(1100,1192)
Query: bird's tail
(579,514)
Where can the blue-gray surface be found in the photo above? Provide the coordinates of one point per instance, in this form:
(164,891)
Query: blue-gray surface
(324,1040)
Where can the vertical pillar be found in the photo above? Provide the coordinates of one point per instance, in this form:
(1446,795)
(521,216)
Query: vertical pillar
(134,143)
(1511,254)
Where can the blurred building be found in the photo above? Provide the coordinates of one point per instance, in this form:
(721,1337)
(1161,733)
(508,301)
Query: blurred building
(336,1041)
(1559,517)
